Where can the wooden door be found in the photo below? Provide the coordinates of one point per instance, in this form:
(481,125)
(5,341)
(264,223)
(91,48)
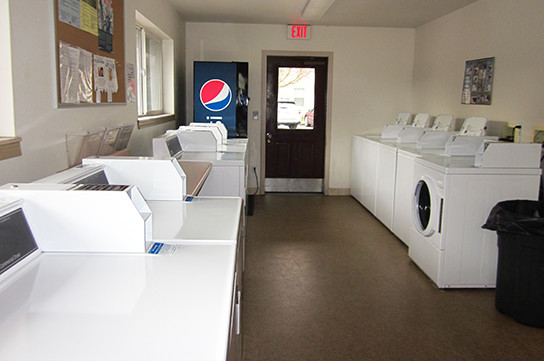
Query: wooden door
(295,123)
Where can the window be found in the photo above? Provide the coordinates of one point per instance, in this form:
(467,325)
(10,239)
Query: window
(154,73)
(149,65)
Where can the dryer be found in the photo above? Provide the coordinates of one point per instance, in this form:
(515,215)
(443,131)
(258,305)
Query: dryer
(451,200)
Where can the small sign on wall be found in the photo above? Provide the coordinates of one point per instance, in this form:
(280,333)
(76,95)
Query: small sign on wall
(478,81)
(298,32)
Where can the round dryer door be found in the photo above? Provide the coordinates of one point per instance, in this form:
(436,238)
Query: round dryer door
(426,207)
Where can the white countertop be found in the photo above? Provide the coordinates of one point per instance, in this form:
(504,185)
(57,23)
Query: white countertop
(204,219)
(216,158)
(120,307)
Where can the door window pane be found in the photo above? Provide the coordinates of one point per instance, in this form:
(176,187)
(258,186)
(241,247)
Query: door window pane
(296,92)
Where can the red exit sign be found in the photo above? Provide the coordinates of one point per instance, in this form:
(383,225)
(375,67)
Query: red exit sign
(298,32)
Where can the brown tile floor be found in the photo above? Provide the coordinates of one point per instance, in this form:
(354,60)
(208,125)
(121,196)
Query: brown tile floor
(324,280)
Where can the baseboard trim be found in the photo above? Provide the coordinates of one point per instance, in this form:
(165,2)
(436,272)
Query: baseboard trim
(339,192)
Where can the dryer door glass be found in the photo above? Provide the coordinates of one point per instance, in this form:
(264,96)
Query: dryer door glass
(423,204)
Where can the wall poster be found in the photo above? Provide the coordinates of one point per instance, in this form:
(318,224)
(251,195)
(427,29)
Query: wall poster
(478,81)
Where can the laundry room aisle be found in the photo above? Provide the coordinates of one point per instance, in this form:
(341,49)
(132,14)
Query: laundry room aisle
(324,280)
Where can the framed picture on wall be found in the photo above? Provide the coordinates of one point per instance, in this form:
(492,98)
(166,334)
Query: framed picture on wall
(478,81)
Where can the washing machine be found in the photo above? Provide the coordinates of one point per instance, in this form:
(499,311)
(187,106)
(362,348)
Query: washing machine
(451,200)
(373,166)
(438,140)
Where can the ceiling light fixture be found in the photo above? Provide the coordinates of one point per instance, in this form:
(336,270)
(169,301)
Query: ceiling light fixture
(315,9)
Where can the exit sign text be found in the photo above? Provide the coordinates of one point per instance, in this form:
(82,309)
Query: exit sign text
(296,32)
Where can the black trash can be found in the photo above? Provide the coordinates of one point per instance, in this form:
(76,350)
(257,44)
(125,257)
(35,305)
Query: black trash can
(520,269)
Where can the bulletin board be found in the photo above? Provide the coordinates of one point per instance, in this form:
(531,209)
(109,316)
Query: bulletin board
(90,48)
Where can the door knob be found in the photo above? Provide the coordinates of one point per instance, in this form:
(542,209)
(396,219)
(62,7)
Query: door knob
(268,138)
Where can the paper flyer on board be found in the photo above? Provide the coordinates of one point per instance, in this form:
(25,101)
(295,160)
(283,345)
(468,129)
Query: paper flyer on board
(89,17)
(70,12)
(105,77)
(85,93)
(69,73)
(105,25)
(131,84)
(76,74)
(81,14)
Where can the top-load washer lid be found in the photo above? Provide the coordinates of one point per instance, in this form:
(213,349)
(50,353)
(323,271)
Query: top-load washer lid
(442,122)
(474,126)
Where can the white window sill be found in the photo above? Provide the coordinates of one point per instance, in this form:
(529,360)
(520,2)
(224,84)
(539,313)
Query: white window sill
(150,120)
(10,147)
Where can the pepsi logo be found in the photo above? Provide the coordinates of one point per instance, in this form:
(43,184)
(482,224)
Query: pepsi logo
(215,95)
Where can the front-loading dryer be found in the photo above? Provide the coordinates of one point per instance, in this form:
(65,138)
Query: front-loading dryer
(451,200)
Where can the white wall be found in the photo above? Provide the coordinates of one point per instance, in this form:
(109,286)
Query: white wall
(371,81)
(510,31)
(38,121)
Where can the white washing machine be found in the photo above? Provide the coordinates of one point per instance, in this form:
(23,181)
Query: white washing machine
(402,216)
(376,181)
(451,201)
(406,156)
(438,141)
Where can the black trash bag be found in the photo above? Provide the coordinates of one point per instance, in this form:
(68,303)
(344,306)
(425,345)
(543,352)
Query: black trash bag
(518,216)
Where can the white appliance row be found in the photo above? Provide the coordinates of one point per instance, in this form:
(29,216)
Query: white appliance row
(374,175)
(139,247)
(174,301)
(384,179)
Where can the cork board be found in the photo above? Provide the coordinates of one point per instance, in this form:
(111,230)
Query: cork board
(90,51)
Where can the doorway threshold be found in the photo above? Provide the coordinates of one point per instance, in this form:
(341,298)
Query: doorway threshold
(298,185)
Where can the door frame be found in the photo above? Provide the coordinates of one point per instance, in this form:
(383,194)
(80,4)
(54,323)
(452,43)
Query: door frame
(265,55)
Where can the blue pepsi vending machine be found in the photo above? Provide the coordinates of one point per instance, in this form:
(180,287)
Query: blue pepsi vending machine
(221,94)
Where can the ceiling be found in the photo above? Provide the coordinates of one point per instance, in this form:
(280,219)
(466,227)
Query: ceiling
(371,13)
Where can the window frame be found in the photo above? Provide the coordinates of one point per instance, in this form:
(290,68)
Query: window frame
(143,28)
